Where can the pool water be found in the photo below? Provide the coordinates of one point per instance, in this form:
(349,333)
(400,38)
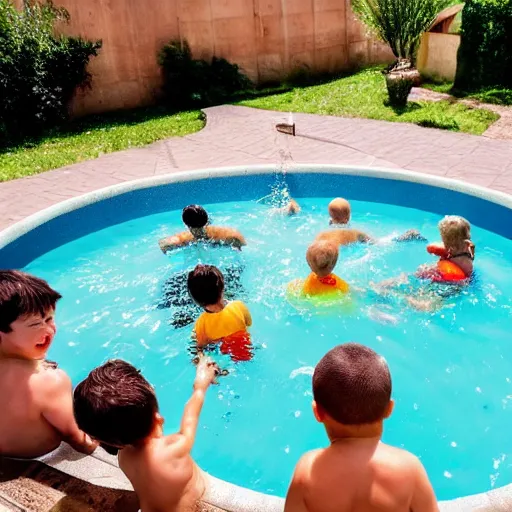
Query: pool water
(451,368)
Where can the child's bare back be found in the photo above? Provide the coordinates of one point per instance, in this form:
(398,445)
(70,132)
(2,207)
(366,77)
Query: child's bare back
(360,475)
(170,481)
(26,389)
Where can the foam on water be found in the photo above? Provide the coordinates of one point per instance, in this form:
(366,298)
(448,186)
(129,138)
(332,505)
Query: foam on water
(451,369)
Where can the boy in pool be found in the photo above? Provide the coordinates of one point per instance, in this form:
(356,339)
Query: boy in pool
(196,220)
(322,257)
(117,406)
(357,472)
(35,397)
(339,213)
(222,321)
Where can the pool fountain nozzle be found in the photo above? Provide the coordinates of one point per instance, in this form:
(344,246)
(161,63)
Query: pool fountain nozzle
(286,128)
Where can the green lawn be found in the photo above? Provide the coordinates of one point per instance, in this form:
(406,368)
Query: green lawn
(93,136)
(360,95)
(495,95)
(364,95)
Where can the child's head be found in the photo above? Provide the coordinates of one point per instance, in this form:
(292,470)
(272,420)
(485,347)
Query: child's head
(352,386)
(339,211)
(27,308)
(322,257)
(116,405)
(194,217)
(206,285)
(455,233)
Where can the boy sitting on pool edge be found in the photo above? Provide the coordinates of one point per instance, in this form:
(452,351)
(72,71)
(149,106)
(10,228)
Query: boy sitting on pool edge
(36,399)
(357,472)
(196,219)
(118,407)
(224,322)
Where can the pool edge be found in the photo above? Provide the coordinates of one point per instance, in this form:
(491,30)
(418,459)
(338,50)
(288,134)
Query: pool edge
(31,222)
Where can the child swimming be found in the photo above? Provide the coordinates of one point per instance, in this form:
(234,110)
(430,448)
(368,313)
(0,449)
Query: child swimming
(456,252)
(322,257)
(196,219)
(224,322)
(35,397)
(357,472)
(339,218)
(118,407)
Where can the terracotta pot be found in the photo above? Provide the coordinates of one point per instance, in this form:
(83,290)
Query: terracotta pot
(399,84)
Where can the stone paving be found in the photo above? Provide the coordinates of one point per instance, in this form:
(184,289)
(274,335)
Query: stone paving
(241,136)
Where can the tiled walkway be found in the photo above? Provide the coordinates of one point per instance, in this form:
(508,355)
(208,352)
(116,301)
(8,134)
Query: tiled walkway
(240,135)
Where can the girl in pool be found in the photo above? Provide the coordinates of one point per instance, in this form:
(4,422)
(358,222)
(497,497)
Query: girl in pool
(454,267)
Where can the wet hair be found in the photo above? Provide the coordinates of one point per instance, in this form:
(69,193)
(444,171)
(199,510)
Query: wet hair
(194,216)
(115,404)
(322,257)
(339,210)
(454,230)
(205,285)
(22,294)
(352,384)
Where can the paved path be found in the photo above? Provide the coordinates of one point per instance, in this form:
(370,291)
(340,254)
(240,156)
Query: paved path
(240,135)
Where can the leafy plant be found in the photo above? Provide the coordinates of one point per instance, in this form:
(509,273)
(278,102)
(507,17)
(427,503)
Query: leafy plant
(189,82)
(39,70)
(485,53)
(399,23)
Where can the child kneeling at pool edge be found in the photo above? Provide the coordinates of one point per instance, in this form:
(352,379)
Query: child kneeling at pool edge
(222,321)
(357,472)
(118,407)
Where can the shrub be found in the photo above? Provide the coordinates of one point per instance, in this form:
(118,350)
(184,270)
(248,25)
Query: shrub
(188,82)
(39,71)
(399,23)
(485,53)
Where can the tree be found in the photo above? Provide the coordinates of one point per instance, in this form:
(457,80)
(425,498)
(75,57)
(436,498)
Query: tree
(399,23)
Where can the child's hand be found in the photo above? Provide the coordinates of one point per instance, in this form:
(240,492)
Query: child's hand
(206,372)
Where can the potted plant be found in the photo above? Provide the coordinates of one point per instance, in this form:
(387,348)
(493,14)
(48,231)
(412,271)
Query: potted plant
(399,24)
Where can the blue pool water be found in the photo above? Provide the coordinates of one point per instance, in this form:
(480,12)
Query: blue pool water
(451,369)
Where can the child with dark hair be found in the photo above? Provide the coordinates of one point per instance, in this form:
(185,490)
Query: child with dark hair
(117,406)
(222,321)
(35,397)
(357,472)
(196,220)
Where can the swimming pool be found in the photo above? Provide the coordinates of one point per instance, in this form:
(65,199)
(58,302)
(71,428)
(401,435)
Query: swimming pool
(450,368)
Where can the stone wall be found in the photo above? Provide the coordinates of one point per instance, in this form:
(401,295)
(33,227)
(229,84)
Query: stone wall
(267,38)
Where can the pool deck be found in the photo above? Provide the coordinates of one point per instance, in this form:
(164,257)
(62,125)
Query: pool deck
(237,136)
(241,135)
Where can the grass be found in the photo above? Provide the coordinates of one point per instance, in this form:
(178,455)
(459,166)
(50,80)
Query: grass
(364,95)
(494,95)
(93,136)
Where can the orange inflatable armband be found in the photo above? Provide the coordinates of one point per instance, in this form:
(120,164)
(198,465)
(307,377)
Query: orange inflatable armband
(438,250)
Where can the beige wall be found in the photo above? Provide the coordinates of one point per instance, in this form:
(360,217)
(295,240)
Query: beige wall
(437,56)
(267,38)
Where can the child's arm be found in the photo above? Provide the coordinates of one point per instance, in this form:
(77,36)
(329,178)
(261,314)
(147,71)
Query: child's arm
(423,499)
(57,405)
(205,375)
(174,241)
(295,496)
